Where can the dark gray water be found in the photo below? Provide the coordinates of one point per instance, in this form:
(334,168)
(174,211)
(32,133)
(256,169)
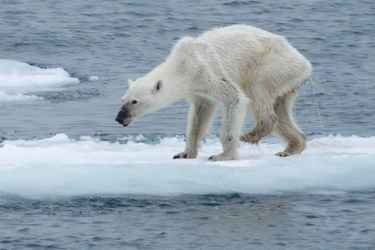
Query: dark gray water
(191,222)
(116,40)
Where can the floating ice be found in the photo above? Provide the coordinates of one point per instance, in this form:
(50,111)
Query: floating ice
(5,97)
(18,78)
(63,166)
(93,78)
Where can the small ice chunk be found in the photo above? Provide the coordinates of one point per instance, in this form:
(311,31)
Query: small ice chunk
(93,78)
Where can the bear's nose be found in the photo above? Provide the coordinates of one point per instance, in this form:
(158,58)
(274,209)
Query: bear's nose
(122,115)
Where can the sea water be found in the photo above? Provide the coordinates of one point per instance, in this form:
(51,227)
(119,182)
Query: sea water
(71,178)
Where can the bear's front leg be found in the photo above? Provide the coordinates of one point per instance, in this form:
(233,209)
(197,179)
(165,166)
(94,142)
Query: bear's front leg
(200,114)
(233,118)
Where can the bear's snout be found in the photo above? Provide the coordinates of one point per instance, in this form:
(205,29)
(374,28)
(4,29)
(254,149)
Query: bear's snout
(123,117)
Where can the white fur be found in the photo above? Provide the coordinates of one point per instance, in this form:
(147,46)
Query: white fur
(230,66)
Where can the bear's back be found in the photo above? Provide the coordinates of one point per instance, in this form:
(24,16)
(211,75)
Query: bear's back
(240,45)
(244,46)
(234,35)
(235,30)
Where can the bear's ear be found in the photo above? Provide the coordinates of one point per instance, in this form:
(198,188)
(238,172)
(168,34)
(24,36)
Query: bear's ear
(130,82)
(157,87)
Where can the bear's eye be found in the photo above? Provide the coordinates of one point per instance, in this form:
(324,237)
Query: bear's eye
(134,102)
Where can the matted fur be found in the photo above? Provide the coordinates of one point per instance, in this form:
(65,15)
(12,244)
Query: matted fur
(246,69)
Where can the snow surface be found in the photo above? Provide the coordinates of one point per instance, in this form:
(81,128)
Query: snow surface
(17,79)
(63,166)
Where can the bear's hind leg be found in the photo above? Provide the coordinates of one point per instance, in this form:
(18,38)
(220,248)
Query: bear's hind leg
(200,114)
(265,120)
(286,126)
(262,129)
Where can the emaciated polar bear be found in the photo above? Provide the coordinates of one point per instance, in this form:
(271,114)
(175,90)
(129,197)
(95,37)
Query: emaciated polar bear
(241,67)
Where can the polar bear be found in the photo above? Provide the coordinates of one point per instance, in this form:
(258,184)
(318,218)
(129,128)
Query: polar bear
(243,69)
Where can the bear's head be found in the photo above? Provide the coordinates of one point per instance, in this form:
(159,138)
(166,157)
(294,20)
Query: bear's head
(165,84)
(143,96)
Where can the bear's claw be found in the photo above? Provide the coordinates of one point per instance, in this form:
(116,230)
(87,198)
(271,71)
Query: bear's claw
(180,156)
(283,154)
(184,155)
(222,157)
